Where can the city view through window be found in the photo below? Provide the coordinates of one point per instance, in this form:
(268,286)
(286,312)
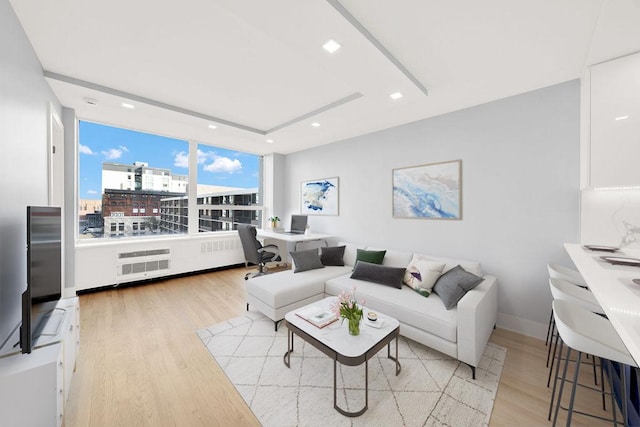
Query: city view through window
(136,184)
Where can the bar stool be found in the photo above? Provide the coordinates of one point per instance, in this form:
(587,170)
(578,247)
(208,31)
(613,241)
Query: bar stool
(588,333)
(557,271)
(563,290)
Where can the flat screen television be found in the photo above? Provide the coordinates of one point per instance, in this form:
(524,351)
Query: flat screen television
(44,265)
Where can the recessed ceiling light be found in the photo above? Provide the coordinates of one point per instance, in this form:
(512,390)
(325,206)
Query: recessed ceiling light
(622,117)
(213,127)
(395,95)
(315,124)
(270,141)
(127,105)
(331,46)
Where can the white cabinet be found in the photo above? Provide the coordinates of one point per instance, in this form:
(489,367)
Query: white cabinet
(34,387)
(71,340)
(615,123)
(29,386)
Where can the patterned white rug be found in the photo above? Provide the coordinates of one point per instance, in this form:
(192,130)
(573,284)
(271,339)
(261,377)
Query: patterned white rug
(431,390)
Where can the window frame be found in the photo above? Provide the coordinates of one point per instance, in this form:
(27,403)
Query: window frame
(119,229)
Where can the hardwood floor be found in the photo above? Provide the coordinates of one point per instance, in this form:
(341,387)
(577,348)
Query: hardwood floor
(142,364)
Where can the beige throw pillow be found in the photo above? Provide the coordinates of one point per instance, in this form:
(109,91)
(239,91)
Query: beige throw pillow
(422,273)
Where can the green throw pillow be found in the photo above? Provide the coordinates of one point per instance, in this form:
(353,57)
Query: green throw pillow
(374,257)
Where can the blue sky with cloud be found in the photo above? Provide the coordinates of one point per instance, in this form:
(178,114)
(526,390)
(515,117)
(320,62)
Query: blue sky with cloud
(216,166)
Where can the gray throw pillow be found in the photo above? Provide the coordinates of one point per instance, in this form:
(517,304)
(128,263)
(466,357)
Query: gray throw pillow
(454,284)
(333,255)
(381,274)
(306,260)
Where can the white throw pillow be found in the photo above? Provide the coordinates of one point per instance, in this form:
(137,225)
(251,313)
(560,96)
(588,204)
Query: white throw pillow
(422,273)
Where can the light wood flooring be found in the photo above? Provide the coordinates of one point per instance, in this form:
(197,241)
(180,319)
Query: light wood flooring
(141,363)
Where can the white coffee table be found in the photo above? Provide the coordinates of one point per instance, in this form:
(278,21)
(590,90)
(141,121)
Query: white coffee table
(335,341)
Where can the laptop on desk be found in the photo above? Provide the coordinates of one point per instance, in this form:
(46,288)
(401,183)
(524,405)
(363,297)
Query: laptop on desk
(298,224)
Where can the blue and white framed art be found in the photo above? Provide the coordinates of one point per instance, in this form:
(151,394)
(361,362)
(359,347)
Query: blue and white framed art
(431,191)
(320,197)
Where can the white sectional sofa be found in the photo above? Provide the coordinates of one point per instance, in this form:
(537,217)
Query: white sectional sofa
(461,332)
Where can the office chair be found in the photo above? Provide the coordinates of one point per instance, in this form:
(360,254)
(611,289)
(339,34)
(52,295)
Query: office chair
(254,252)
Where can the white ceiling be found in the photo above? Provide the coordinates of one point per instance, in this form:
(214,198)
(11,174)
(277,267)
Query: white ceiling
(260,65)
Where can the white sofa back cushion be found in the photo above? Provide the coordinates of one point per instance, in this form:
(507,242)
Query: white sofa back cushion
(350,252)
(471,266)
(394,258)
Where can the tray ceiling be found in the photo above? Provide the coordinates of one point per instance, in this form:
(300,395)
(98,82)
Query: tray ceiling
(258,72)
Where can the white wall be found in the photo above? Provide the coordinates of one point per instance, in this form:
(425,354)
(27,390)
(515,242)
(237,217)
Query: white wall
(24,103)
(520,167)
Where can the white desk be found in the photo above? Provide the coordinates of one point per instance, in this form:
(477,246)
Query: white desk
(614,290)
(292,238)
(291,241)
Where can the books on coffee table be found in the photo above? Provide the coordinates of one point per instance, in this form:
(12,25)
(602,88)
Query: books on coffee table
(317,316)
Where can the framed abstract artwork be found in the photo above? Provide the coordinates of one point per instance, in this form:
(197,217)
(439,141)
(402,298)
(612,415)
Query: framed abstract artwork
(319,197)
(432,191)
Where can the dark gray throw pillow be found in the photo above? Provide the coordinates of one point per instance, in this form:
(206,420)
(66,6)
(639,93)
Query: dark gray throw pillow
(333,255)
(454,284)
(381,274)
(306,260)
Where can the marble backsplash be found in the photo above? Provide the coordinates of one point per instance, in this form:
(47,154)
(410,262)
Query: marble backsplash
(611,217)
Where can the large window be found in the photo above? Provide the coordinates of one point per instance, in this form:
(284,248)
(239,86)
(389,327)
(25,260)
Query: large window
(136,184)
(228,189)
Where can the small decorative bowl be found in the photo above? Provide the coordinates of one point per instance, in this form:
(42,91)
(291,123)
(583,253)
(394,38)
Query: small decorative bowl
(372,316)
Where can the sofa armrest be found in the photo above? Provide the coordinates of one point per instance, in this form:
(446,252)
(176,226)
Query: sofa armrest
(477,315)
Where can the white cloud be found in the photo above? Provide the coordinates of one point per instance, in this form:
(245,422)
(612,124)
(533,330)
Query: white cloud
(203,156)
(124,149)
(224,165)
(211,161)
(84,149)
(113,153)
(181,160)
(92,192)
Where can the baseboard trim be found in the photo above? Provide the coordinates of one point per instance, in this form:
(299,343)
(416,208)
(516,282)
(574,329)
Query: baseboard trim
(522,326)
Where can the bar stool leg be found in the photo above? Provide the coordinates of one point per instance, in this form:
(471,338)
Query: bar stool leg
(555,382)
(613,402)
(604,405)
(573,390)
(555,346)
(546,341)
(564,377)
(552,334)
(623,381)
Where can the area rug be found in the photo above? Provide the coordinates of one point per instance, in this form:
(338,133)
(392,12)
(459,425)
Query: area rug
(431,390)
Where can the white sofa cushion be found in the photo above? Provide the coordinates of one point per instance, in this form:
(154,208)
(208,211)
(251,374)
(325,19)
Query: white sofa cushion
(350,252)
(404,304)
(286,287)
(471,266)
(393,258)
